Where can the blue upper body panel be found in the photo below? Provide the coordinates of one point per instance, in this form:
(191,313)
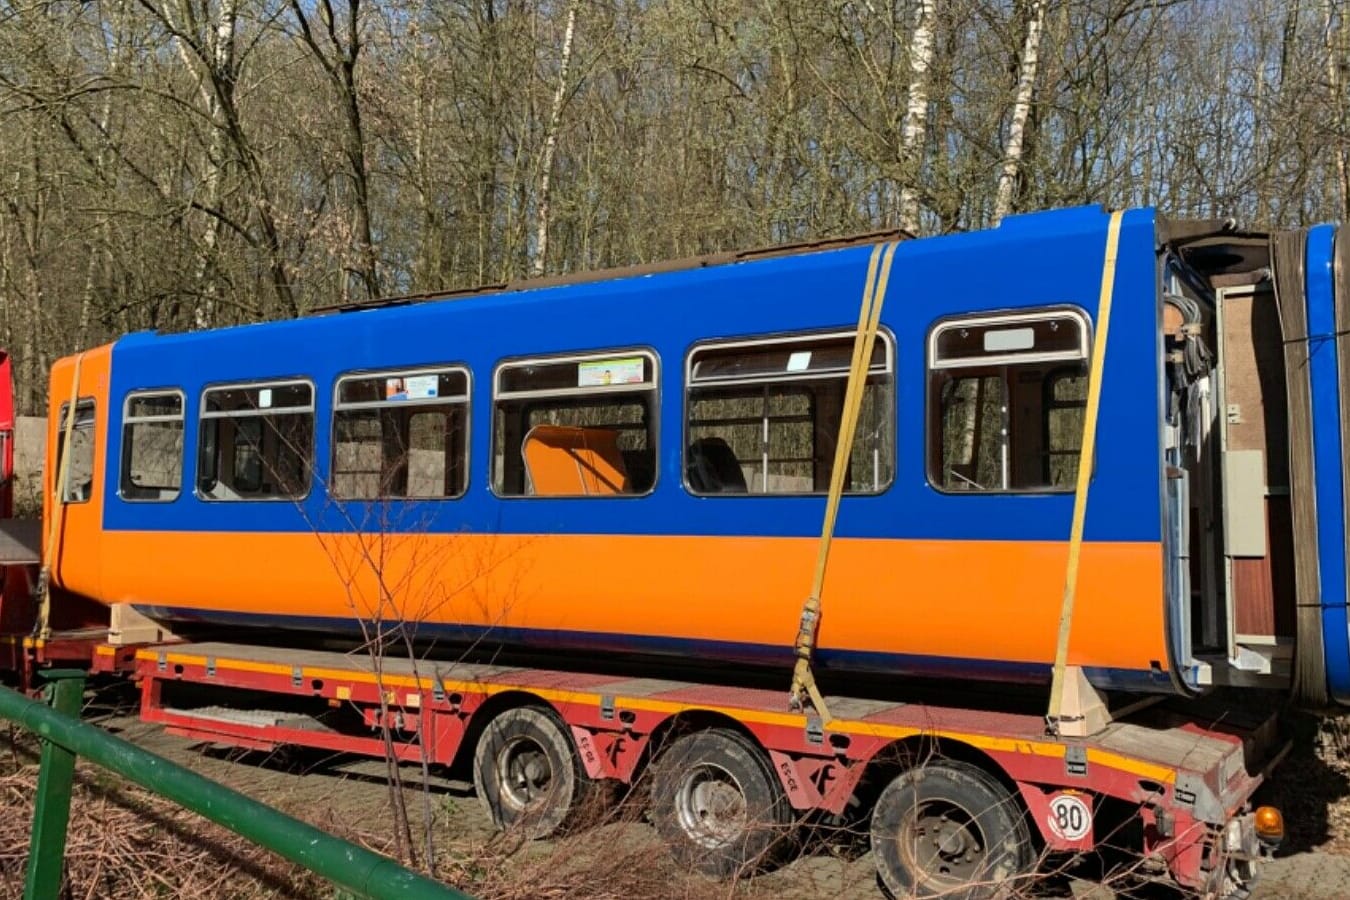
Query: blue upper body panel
(1326,380)
(1034,260)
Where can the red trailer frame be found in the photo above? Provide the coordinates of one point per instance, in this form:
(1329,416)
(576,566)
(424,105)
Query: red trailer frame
(1189,786)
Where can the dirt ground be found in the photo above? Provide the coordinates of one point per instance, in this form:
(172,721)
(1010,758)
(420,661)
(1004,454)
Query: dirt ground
(1312,787)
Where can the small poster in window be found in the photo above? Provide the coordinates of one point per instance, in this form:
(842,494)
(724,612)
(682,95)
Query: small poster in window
(422,386)
(799,361)
(264,398)
(396,389)
(610,371)
(1006,340)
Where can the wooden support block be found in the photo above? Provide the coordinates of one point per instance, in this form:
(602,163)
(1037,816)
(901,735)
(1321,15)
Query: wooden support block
(126,626)
(1083,712)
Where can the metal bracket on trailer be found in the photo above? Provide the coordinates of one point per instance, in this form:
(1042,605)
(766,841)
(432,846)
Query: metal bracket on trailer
(815,729)
(1076,761)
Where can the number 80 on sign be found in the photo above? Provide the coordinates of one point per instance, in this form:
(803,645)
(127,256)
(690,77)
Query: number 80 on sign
(1070,817)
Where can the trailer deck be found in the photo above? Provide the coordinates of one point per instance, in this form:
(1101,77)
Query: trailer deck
(1187,780)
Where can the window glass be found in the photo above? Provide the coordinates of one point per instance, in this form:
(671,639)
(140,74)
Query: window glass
(576,426)
(257,441)
(79,483)
(401,435)
(1006,399)
(1065,407)
(152,446)
(763,417)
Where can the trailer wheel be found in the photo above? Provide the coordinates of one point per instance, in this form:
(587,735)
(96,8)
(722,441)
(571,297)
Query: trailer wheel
(948,829)
(526,773)
(718,806)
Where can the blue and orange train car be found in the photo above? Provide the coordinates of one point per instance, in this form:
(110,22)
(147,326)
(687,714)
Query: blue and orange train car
(636,463)
(633,468)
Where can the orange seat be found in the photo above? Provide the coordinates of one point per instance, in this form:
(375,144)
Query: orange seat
(566,460)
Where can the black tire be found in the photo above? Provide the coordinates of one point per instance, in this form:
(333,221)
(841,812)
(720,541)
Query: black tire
(527,773)
(948,829)
(718,805)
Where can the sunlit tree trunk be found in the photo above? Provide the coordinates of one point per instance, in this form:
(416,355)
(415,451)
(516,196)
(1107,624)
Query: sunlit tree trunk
(219,53)
(551,145)
(1026,88)
(1336,58)
(916,114)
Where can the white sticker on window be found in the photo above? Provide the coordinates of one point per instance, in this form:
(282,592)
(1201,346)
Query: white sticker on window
(610,371)
(422,386)
(1006,339)
(799,361)
(264,398)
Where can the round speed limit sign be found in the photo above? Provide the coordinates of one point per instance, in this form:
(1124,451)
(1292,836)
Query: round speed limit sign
(1070,817)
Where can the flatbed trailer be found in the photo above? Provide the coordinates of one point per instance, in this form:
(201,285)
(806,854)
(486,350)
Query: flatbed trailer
(75,629)
(732,769)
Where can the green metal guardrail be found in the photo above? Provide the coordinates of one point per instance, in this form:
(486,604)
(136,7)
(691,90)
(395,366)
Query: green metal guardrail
(64,737)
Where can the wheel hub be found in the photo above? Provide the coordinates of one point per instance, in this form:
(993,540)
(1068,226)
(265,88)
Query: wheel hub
(711,806)
(527,776)
(943,842)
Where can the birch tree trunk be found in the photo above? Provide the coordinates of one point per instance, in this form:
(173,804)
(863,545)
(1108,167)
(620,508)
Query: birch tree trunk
(200,53)
(916,115)
(97,255)
(214,68)
(551,144)
(1336,89)
(1026,87)
(222,57)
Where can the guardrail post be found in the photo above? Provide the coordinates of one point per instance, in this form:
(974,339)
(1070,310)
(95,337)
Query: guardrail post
(51,805)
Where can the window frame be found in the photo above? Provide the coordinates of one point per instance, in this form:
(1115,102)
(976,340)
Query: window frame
(934,366)
(889,367)
(91,403)
(652,387)
(124,458)
(204,415)
(433,369)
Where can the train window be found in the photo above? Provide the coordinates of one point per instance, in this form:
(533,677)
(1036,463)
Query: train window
(576,426)
(763,416)
(79,484)
(257,441)
(152,446)
(401,434)
(1006,399)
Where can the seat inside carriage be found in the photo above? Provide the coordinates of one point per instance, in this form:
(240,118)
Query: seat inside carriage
(568,460)
(714,469)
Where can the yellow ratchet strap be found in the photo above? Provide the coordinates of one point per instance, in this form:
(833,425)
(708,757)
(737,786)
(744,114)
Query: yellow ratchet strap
(1085,457)
(50,548)
(869,319)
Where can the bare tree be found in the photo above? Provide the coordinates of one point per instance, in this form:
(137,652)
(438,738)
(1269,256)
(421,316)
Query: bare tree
(551,144)
(1033,12)
(916,114)
(1337,59)
(336,47)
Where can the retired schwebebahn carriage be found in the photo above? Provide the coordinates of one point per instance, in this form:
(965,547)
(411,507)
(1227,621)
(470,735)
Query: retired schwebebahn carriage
(636,463)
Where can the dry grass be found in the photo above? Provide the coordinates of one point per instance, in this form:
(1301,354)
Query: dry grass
(128,843)
(125,842)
